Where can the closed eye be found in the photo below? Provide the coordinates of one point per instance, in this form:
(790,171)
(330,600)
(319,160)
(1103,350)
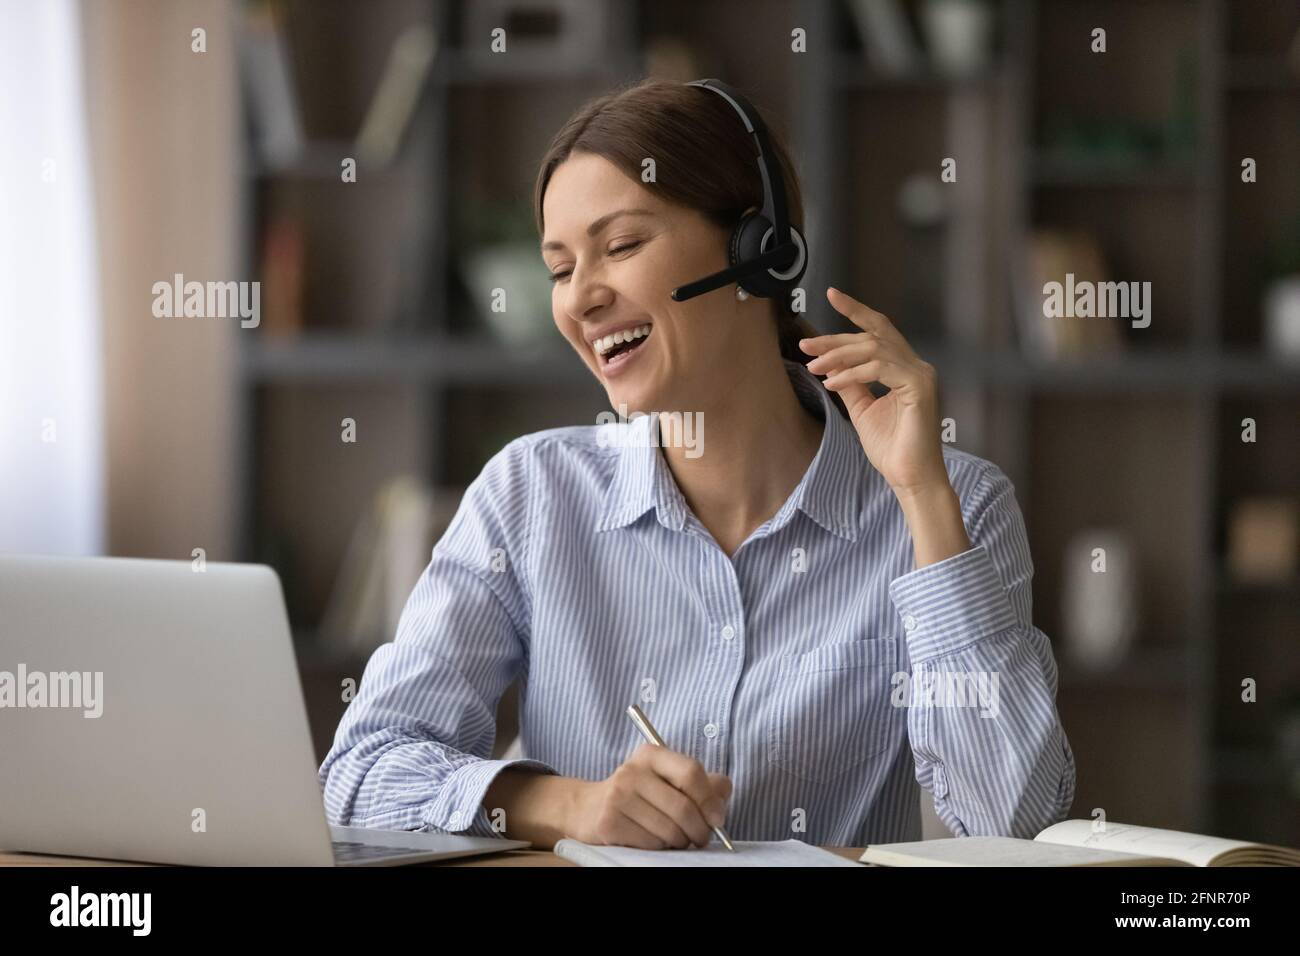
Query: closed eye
(557,276)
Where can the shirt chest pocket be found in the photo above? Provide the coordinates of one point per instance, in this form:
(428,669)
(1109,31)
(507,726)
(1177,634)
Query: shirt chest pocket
(832,709)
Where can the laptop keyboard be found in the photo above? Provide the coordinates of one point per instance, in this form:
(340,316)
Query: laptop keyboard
(345,852)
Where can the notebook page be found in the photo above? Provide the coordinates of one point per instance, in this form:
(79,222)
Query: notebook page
(990,851)
(1126,838)
(748,853)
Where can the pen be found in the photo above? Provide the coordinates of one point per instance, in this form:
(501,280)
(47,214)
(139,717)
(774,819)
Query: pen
(652,736)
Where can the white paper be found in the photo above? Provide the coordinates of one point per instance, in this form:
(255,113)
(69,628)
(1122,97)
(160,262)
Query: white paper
(753,853)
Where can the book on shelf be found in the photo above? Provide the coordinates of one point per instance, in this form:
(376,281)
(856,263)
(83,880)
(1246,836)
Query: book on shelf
(1084,843)
(386,554)
(888,38)
(1074,262)
(1263,539)
(409,63)
(269,94)
(283,258)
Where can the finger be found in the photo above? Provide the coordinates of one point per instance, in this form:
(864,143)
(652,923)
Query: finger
(620,828)
(886,372)
(652,820)
(687,775)
(863,315)
(861,375)
(627,832)
(854,353)
(721,784)
(819,344)
(823,345)
(857,398)
(677,806)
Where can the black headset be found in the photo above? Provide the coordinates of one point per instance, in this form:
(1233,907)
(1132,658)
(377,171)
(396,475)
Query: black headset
(767,255)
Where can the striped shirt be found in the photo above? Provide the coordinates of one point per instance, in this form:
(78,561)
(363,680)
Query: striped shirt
(816,667)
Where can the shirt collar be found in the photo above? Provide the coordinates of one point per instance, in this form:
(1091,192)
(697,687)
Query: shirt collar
(830,492)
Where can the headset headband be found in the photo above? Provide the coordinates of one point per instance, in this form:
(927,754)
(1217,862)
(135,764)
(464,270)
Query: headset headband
(774,203)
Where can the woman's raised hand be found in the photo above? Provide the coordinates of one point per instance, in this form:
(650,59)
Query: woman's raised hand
(899,431)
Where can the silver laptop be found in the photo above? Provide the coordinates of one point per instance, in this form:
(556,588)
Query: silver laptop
(150,711)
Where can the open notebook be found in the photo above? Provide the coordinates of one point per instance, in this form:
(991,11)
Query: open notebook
(782,853)
(1073,843)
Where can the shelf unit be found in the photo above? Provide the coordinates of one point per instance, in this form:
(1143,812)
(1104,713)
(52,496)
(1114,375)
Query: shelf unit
(1047,424)
(1011,405)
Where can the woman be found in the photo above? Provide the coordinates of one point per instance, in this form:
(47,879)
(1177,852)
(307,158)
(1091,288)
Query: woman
(772,597)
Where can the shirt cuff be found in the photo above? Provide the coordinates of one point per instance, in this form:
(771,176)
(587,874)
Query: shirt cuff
(459,805)
(951,603)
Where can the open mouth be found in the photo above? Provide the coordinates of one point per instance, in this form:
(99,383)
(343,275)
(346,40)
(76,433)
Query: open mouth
(614,350)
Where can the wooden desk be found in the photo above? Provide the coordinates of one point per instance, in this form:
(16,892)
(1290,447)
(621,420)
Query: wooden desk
(508,858)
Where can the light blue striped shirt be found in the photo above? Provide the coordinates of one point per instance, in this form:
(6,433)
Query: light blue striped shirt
(798,666)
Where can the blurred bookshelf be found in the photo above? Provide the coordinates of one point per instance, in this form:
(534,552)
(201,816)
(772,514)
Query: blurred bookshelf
(1142,437)
(1146,437)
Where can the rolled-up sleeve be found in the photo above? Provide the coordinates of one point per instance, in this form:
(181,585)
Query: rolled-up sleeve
(983,726)
(413,749)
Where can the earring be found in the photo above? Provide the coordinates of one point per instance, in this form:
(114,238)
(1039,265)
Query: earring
(741,294)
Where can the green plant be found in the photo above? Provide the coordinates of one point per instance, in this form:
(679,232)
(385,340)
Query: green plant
(1283,258)
(492,222)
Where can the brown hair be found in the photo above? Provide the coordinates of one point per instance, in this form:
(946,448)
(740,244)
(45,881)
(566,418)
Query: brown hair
(704,160)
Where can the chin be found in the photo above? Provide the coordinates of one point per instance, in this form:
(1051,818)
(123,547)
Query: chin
(639,392)
(634,398)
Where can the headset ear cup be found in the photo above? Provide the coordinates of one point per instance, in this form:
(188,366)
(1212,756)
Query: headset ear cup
(747,244)
(797,237)
(744,241)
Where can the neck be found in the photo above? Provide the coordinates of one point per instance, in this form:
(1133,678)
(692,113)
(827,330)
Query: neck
(758,442)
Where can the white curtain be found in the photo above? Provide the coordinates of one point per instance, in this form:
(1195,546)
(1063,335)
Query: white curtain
(51,405)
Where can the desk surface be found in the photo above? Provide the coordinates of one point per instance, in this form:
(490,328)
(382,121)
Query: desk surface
(508,858)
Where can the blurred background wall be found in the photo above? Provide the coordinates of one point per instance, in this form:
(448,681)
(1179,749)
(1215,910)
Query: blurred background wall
(371,164)
(165,131)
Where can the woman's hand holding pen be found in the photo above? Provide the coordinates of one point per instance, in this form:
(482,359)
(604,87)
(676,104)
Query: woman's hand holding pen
(898,431)
(657,799)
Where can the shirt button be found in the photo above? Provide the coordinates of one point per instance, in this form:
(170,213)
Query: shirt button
(909,623)
(728,632)
(710,730)
(455,817)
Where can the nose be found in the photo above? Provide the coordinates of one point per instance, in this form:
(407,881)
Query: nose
(587,294)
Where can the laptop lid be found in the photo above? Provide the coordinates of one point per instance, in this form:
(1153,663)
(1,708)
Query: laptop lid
(152,711)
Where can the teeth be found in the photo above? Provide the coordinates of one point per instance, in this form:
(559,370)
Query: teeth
(601,346)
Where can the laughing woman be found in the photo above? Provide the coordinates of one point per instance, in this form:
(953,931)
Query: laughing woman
(778,605)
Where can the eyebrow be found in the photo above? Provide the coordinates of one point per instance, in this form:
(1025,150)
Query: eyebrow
(599,224)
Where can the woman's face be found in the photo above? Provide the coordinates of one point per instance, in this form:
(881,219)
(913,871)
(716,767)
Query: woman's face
(615,271)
